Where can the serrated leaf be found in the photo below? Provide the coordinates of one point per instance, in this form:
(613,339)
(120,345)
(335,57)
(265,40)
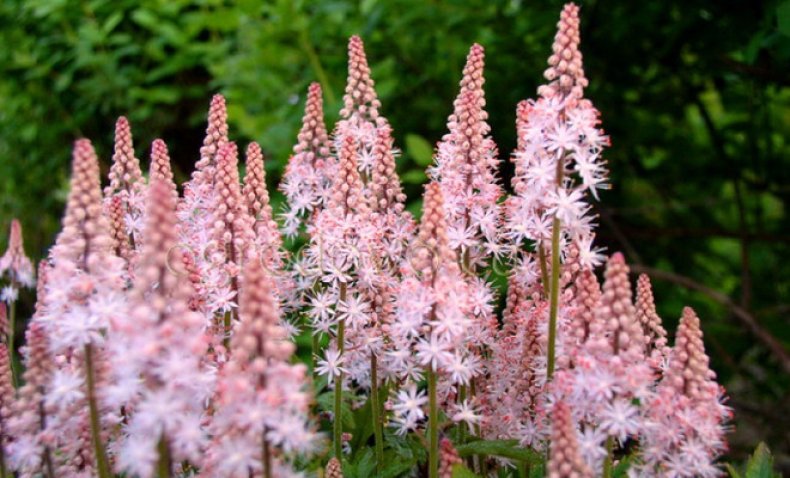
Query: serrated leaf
(396,468)
(761,464)
(419,149)
(461,471)
(503,448)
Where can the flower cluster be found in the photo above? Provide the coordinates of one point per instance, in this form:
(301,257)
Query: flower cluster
(169,329)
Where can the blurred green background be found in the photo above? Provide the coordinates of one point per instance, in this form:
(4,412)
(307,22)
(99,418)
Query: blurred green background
(693,93)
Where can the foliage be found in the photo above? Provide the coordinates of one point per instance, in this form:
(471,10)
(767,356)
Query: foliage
(694,94)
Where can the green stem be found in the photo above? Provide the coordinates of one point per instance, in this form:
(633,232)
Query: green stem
(314,354)
(338,424)
(607,464)
(11,349)
(2,459)
(375,406)
(555,294)
(544,269)
(461,427)
(433,426)
(102,465)
(164,465)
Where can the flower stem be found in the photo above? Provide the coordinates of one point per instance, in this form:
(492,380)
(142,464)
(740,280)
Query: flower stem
(2,459)
(266,457)
(433,426)
(338,424)
(544,270)
(555,294)
(375,406)
(461,437)
(607,464)
(164,465)
(102,466)
(314,354)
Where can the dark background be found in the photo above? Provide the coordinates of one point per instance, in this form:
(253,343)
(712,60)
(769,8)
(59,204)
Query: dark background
(693,93)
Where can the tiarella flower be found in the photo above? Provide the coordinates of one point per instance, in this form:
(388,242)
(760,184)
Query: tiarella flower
(262,400)
(160,169)
(14,263)
(307,180)
(267,235)
(6,383)
(686,418)
(466,169)
(433,313)
(565,460)
(557,135)
(161,341)
(126,180)
(655,335)
(83,272)
(331,365)
(360,119)
(610,370)
(408,408)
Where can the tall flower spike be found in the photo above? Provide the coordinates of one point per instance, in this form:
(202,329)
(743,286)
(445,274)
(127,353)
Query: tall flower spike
(256,197)
(262,401)
(15,263)
(689,371)
(84,240)
(216,138)
(360,117)
(160,169)
(125,171)
(360,96)
(157,352)
(564,458)
(233,229)
(347,195)
(308,176)
(686,417)
(83,298)
(565,72)
(126,179)
(433,246)
(385,188)
(587,299)
(655,334)
(466,166)
(7,393)
(616,326)
(115,215)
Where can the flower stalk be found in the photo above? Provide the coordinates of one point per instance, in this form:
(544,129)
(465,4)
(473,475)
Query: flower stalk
(102,465)
(338,423)
(375,406)
(433,425)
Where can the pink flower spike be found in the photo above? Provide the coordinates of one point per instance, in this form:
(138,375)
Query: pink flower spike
(565,72)
(308,175)
(15,263)
(160,169)
(565,460)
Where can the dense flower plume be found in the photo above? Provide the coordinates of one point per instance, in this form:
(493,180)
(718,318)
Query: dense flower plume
(175,336)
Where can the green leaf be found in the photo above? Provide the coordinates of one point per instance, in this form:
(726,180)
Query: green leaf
(413,176)
(761,464)
(461,471)
(419,149)
(733,472)
(504,448)
(326,402)
(396,468)
(621,470)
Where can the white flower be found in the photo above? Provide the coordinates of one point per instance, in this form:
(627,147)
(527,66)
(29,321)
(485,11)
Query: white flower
(331,365)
